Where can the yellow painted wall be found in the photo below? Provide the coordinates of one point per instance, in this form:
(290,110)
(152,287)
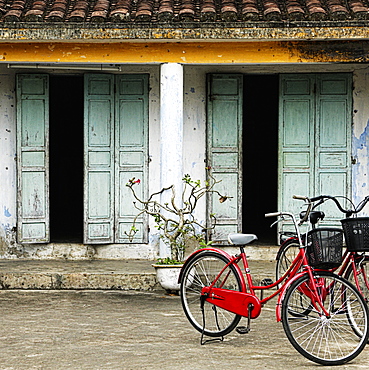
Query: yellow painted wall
(186,52)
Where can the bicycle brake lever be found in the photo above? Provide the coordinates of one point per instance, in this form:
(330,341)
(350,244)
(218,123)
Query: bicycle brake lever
(275,222)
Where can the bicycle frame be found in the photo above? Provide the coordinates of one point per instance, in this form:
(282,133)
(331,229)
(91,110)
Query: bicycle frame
(245,302)
(350,258)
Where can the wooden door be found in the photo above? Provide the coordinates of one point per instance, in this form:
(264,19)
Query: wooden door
(33,158)
(116,150)
(131,153)
(314,139)
(224,154)
(99,159)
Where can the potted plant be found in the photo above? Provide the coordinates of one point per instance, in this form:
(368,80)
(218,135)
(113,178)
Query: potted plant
(175,221)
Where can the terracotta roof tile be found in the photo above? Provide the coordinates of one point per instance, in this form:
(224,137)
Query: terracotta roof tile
(294,10)
(271,10)
(249,10)
(58,11)
(145,10)
(122,11)
(315,10)
(165,10)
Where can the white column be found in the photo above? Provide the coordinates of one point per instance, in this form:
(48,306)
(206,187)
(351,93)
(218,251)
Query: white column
(171,127)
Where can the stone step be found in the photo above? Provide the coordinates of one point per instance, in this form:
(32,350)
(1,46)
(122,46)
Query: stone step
(105,274)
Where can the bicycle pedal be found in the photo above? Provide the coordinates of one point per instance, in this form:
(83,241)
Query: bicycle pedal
(266,282)
(242,329)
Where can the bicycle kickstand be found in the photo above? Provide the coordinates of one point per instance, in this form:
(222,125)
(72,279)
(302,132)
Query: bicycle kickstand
(246,329)
(202,341)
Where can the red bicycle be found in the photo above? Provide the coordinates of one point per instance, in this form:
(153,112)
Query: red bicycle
(324,316)
(353,264)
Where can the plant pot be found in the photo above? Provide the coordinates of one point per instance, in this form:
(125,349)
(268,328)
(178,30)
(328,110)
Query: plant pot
(167,276)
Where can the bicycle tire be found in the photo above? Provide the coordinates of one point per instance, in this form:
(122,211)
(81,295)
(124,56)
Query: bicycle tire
(200,272)
(364,269)
(286,254)
(325,340)
(363,288)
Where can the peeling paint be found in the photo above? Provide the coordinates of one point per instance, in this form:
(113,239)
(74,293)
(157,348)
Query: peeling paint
(360,154)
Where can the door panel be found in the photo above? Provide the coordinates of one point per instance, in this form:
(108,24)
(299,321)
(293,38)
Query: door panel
(33,158)
(224,151)
(333,138)
(296,158)
(131,149)
(99,159)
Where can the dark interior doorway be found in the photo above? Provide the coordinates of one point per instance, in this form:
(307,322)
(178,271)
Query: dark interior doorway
(66,158)
(260,155)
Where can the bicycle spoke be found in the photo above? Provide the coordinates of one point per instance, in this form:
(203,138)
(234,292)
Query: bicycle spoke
(327,339)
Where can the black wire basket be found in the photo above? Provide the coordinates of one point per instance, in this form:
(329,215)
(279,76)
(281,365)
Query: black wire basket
(324,248)
(356,232)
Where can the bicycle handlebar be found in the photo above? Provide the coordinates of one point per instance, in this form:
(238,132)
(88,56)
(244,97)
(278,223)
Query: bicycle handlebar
(309,209)
(323,198)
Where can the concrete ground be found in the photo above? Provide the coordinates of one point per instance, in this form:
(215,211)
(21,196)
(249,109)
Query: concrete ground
(98,330)
(127,329)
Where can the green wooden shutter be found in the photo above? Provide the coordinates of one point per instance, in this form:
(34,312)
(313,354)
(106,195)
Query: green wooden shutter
(314,139)
(131,150)
(333,139)
(224,151)
(99,159)
(296,139)
(32,157)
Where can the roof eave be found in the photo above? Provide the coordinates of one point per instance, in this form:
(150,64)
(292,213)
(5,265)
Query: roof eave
(111,32)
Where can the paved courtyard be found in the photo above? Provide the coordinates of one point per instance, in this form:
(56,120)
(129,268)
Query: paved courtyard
(100,329)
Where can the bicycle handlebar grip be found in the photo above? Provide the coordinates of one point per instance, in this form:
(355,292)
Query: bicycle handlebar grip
(319,197)
(299,197)
(273,214)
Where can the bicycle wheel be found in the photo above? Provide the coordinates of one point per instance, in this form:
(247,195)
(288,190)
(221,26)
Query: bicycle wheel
(199,273)
(327,340)
(363,277)
(362,268)
(286,254)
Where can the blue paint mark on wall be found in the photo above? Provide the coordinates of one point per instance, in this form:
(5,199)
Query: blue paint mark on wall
(361,142)
(6,212)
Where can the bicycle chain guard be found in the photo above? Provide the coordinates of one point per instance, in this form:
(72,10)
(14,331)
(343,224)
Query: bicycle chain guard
(233,301)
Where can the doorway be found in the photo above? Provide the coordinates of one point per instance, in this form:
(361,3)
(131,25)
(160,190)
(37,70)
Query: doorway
(66,158)
(260,155)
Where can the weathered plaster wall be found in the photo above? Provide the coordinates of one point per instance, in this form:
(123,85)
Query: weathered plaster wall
(194,129)
(7,164)
(360,137)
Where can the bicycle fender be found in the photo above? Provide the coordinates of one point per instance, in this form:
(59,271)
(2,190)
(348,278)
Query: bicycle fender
(283,293)
(223,253)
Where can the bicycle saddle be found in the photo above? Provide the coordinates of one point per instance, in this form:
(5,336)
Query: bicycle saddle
(241,239)
(315,216)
